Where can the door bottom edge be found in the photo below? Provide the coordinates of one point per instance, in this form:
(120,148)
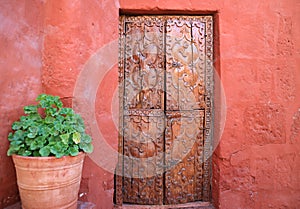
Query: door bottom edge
(190,205)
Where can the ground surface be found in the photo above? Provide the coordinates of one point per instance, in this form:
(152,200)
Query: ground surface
(81,205)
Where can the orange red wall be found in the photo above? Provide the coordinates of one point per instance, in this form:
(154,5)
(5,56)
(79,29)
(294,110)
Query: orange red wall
(45,45)
(21,38)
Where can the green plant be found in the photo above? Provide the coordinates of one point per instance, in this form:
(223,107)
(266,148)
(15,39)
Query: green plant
(49,129)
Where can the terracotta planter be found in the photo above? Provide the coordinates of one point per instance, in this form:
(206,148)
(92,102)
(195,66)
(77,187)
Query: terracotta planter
(49,182)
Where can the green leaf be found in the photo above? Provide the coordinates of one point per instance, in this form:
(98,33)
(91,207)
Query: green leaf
(45,151)
(36,117)
(86,138)
(34,145)
(41,97)
(67,111)
(59,149)
(16,125)
(10,136)
(76,137)
(24,119)
(31,135)
(58,126)
(28,141)
(53,131)
(24,152)
(18,135)
(13,149)
(59,119)
(33,129)
(31,109)
(88,148)
(25,122)
(49,120)
(80,129)
(74,150)
(57,102)
(51,111)
(60,154)
(44,130)
(41,141)
(27,153)
(65,138)
(52,140)
(16,143)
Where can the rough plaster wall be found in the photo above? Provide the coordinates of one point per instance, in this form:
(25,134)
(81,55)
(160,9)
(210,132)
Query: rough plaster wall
(256,163)
(20,72)
(259,152)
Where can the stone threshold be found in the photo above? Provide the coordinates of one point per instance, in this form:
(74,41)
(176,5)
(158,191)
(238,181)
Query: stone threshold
(193,205)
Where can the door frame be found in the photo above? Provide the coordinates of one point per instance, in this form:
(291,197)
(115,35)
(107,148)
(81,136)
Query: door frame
(209,110)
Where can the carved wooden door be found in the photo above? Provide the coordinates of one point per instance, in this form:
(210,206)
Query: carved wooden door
(165,91)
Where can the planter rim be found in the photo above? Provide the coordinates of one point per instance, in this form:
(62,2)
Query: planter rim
(46,158)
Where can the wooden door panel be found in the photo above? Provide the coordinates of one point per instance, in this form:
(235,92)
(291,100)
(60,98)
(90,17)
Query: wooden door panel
(134,44)
(152,73)
(185,47)
(143,161)
(143,116)
(178,62)
(184,156)
(144,66)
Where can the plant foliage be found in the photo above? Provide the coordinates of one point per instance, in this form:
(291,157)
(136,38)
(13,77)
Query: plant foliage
(49,129)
